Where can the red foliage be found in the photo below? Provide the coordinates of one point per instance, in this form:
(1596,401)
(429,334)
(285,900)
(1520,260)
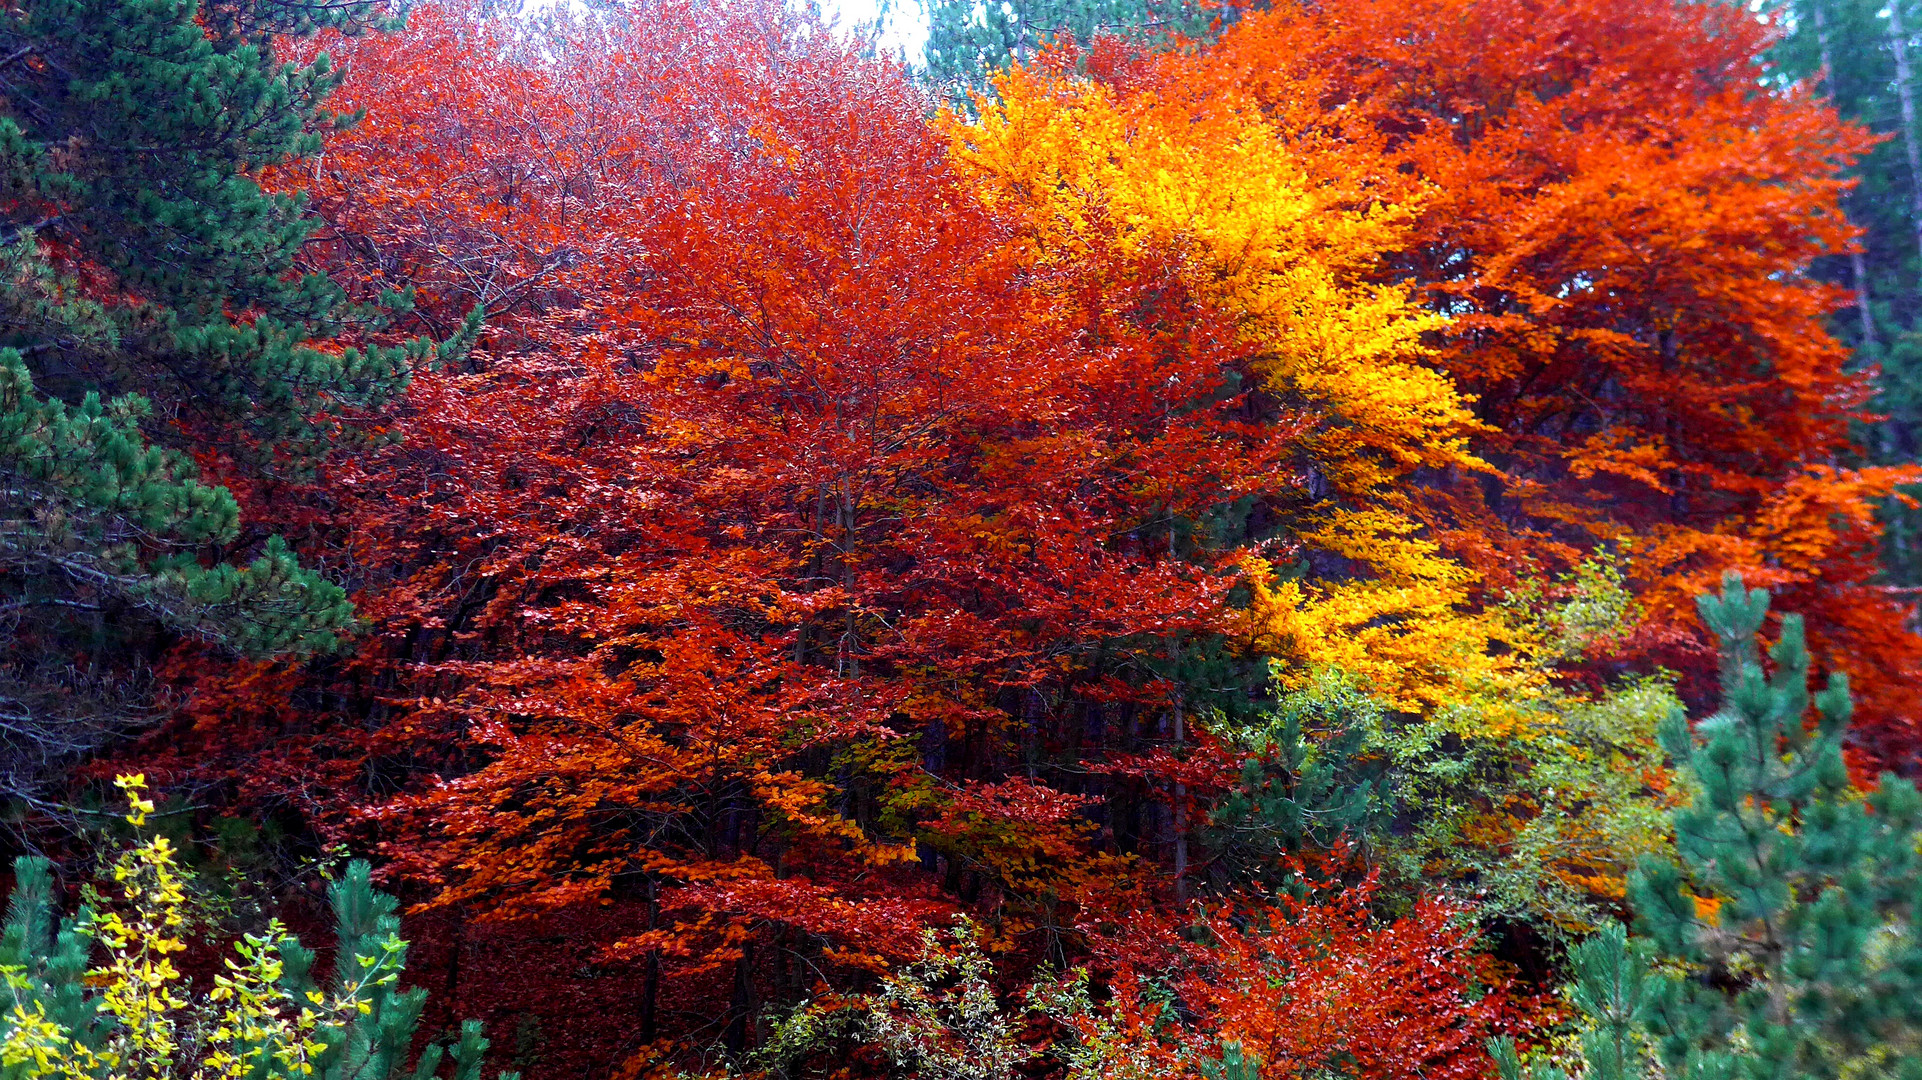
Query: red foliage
(1322,984)
(800,560)
(779,510)
(1318,987)
(1618,221)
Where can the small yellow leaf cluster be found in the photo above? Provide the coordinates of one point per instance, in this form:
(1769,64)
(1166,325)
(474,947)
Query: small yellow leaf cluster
(248,1025)
(43,1047)
(139,976)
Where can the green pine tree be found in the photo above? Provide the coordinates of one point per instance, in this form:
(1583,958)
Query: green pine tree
(56,1001)
(1784,942)
(1309,781)
(1846,49)
(970,40)
(152,308)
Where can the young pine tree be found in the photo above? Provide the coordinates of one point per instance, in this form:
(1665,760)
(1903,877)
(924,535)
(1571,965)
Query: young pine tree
(1784,943)
(96,997)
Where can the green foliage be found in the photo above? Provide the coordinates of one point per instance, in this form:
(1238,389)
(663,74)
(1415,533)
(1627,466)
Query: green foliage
(130,147)
(43,963)
(1842,48)
(1611,987)
(1861,81)
(939,1018)
(1545,810)
(153,311)
(1236,1064)
(1544,825)
(1312,776)
(1099,1044)
(1896,440)
(120,518)
(1586,608)
(970,40)
(1586,808)
(1783,941)
(267,1016)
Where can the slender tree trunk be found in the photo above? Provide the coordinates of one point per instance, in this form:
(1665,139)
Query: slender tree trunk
(1180,816)
(1858,266)
(847,661)
(1904,93)
(742,1007)
(651,977)
(450,993)
(1859,270)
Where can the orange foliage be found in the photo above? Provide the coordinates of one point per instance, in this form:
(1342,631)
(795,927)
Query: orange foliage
(1403,998)
(1317,983)
(784,509)
(1617,222)
(829,530)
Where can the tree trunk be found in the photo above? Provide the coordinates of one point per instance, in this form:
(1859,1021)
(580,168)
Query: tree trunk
(1904,93)
(651,977)
(1858,266)
(742,1007)
(1181,817)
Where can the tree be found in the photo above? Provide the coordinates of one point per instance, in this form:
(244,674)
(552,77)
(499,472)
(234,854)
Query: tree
(1618,226)
(1855,54)
(266,1018)
(822,539)
(153,326)
(1784,941)
(923,549)
(970,41)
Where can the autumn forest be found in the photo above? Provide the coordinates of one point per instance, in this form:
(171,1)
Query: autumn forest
(1157,538)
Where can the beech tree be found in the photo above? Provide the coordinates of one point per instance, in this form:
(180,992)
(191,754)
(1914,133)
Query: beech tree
(1608,228)
(853,517)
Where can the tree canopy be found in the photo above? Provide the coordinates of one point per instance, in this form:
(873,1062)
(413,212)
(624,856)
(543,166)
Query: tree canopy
(1164,543)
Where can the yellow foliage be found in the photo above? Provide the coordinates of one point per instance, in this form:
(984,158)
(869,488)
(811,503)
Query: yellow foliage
(1086,170)
(249,1024)
(1214,181)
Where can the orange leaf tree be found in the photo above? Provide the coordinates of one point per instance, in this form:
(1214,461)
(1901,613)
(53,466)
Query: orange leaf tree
(826,509)
(848,517)
(1617,221)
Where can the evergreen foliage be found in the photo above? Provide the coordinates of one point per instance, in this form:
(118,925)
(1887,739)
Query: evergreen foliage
(1845,50)
(1295,792)
(269,1017)
(1783,941)
(1329,768)
(152,312)
(970,40)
